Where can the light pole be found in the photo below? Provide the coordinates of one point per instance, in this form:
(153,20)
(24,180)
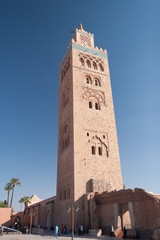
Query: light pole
(31,215)
(72,216)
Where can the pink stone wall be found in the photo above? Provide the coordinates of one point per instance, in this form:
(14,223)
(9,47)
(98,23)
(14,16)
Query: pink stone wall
(135,209)
(24,219)
(5,214)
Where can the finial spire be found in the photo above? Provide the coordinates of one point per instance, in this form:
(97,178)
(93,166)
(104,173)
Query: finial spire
(80,27)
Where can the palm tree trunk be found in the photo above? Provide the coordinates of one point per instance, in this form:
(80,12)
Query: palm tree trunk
(8,199)
(12,197)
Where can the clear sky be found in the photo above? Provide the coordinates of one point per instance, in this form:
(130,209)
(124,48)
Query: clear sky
(34,35)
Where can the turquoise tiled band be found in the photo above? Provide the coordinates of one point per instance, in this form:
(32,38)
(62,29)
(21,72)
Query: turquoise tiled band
(85,50)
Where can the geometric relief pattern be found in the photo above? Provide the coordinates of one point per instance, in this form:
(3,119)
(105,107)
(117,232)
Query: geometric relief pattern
(98,143)
(89,94)
(99,147)
(85,40)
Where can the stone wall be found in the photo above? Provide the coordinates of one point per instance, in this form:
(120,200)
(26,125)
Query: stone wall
(43,214)
(134,209)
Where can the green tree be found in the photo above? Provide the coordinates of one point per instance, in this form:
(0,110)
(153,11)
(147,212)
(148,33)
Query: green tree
(3,204)
(25,200)
(14,182)
(8,188)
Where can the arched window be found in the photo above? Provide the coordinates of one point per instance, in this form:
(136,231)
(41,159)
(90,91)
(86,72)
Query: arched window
(101,68)
(94,65)
(93,150)
(88,64)
(65,97)
(65,129)
(65,138)
(64,193)
(88,80)
(97,82)
(82,62)
(100,151)
(97,106)
(90,104)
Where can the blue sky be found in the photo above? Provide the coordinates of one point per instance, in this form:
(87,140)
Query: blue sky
(34,35)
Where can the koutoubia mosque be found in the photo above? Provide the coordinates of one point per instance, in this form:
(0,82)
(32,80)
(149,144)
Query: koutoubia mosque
(89,172)
(88,154)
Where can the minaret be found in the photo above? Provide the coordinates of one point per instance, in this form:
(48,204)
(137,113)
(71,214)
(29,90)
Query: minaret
(88,154)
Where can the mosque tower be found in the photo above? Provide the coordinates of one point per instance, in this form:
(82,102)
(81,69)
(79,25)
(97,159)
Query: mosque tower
(88,154)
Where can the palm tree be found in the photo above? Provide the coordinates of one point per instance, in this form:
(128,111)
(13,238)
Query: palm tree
(8,188)
(14,182)
(25,200)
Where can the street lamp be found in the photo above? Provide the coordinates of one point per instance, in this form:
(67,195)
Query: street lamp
(31,215)
(72,209)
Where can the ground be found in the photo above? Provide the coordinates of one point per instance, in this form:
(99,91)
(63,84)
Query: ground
(37,237)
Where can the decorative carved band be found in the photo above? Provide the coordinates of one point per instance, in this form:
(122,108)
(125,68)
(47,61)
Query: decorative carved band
(89,93)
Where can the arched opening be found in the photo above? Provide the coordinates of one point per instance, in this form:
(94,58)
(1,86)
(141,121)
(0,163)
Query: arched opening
(65,128)
(101,68)
(100,151)
(65,138)
(90,104)
(93,150)
(64,193)
(97,82)
(17,222)
(94,65)
(88,80)
(48,221)
(82,62)
(88,64)
(97,106)
(65,98)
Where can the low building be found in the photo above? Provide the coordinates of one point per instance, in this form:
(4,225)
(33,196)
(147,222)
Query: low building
(5,214)
(38,213)
(134,209)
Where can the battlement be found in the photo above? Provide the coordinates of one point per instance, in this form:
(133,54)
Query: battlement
(83,41)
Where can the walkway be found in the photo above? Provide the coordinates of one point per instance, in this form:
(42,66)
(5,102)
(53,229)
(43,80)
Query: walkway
(39,237)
